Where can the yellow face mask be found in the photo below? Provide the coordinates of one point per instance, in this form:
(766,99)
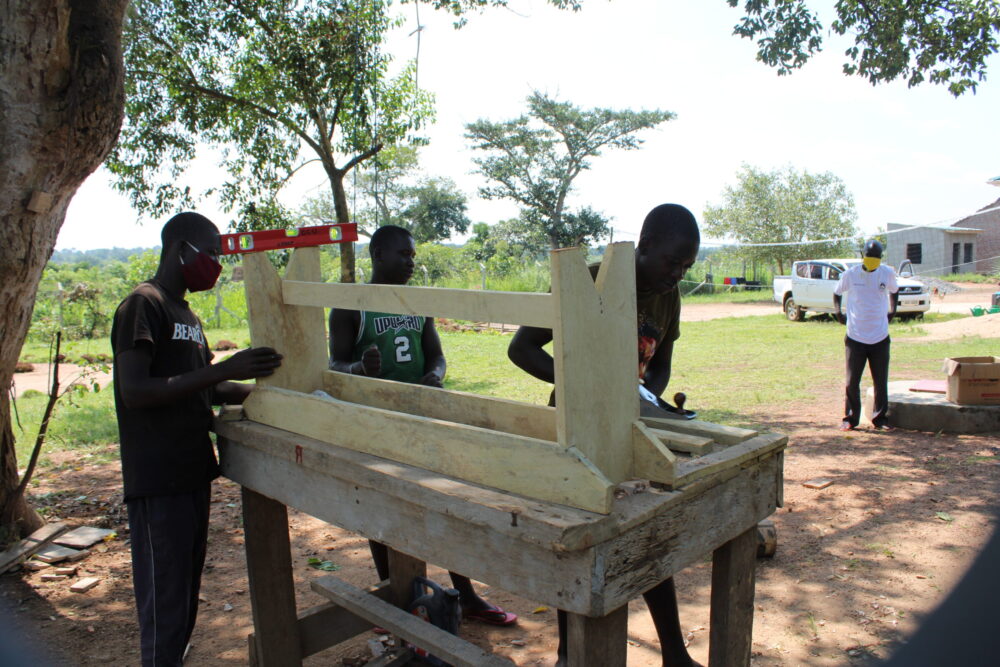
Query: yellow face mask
(871,263)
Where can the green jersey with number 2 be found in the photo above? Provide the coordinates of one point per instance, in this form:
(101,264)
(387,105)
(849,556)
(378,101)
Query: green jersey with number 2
(399,341)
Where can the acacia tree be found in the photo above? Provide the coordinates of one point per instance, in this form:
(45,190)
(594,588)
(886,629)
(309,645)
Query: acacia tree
(274,84)
(60,111)
(533,159)
(784,206)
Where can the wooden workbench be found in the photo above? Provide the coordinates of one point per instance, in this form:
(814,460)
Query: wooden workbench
(586,563)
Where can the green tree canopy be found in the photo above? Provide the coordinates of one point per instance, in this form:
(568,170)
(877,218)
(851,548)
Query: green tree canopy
(435,209)
(274,84)
(942,41)
(533,159)
(784,206)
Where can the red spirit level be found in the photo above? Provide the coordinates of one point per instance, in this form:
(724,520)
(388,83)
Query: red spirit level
(280,239)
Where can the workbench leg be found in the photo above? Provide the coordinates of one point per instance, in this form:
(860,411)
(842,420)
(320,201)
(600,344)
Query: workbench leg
(272,590)
(732,601)
(402,570)
(598,642)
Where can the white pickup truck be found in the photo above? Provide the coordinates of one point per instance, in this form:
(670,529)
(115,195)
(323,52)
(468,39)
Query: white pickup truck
(810,289)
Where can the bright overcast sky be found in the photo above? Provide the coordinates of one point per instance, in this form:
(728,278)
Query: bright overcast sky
(912,156)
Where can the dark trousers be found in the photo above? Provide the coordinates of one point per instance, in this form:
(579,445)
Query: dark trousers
(168,535)
(876,356)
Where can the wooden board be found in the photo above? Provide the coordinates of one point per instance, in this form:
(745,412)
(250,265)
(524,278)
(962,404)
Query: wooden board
(327,624)
(597,397)
(651,459)
(297,332)
(83,537)
(528,466)
(442,644)
(477,305)
(544,549)
(269,570)
(53,553)
(684,442)
(725,435)
(732,601)
(533,421)
(765,444)
(29,545)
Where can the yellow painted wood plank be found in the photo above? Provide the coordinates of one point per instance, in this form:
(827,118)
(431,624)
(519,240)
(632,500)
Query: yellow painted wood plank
(477,305)
(595,355)
(497,414)
(527,466)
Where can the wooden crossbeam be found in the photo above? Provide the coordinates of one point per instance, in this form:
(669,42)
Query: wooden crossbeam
(528,466)
(498,414)
(478,305)
(439,642)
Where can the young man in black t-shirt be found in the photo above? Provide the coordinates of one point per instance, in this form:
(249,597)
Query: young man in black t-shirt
(165,385)
(667,249)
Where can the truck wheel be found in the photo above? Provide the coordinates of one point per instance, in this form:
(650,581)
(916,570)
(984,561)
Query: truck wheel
(793,312)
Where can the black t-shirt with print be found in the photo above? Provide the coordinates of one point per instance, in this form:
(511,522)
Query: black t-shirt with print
(165,449)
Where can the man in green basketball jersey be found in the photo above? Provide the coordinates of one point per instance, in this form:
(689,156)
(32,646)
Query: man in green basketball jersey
(405,348)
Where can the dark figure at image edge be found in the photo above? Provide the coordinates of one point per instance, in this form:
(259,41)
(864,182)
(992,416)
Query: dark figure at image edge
(404,348)
(667,249)
(164,387)
(872,297)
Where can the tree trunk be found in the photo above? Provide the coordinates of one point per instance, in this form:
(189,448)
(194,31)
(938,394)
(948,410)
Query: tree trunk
(343,216)
(61,101)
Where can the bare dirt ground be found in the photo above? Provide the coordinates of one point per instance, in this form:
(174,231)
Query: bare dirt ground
(970,294)
(858,563)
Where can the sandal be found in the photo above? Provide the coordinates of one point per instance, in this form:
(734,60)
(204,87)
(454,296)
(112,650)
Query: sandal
(493,615)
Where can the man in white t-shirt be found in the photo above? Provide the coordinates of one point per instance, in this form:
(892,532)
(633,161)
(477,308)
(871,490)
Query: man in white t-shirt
(871,303)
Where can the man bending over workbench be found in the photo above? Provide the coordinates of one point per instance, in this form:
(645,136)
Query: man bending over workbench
(405,348)
(668,247)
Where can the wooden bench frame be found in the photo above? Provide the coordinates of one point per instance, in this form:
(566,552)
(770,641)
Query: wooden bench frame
(453,470)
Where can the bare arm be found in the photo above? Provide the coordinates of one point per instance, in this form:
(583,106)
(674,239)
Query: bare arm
(142,390)
(435,365)
(344,325)
(837,299)
(657,375)
(527,353)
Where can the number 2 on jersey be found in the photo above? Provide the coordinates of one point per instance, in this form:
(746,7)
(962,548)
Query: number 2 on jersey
(402,349)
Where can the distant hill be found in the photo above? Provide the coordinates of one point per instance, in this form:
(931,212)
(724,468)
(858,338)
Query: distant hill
(96,257)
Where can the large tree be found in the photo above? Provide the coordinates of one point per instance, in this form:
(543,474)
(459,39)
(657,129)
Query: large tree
(942,41)
(387,191)
(768,210)
(60,112)
(534,159)
(274,84)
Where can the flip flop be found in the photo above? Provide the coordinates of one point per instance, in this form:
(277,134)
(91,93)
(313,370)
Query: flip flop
(493,615)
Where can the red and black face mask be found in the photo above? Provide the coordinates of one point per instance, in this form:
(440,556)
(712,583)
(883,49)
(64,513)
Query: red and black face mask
(200,274)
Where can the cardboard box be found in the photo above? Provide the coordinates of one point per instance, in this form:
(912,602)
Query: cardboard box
(973,380)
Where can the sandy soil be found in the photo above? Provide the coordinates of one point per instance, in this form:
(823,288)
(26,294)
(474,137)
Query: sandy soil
(858,563)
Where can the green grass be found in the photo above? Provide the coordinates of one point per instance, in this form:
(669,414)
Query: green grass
(731,369)
(971,278)
(84,421)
